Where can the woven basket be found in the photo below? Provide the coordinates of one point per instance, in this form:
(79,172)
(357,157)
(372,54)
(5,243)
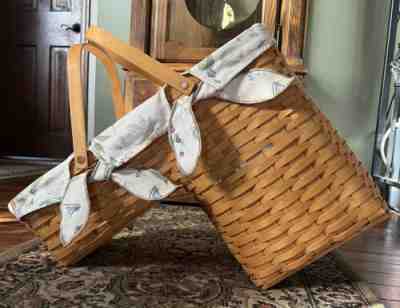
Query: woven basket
(280,185)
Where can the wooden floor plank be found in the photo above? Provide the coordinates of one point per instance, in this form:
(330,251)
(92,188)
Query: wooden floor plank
(12,233)
(380,279)
(383,240)
(369,257)
(391,304)
(375,257)
(384,268)
(386,292)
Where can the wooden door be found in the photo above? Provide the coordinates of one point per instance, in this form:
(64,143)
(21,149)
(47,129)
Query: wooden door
(36,123)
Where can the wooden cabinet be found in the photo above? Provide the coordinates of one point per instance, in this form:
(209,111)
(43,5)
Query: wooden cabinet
(168,31)
(176,36)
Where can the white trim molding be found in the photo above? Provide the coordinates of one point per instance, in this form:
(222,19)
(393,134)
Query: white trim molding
(91,105)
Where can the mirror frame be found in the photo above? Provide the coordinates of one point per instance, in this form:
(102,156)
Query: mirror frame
(251,7)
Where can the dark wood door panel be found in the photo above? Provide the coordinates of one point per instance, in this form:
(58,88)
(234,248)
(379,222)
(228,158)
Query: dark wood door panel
(59,108)
(38,114)
(27,5)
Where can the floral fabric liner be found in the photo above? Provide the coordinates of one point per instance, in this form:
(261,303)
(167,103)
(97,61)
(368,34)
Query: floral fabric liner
(221,77)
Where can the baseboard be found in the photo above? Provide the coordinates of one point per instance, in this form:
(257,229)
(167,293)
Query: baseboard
(30,160)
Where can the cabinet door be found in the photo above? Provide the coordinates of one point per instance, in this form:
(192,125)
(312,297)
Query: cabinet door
(187,31)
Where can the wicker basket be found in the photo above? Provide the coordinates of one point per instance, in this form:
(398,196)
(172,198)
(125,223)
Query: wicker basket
(280,185)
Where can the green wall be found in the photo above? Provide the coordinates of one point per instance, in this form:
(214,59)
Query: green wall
(344,55)
(113,16)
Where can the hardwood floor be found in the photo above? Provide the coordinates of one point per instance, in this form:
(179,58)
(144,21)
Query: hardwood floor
(12,232)
(374,256)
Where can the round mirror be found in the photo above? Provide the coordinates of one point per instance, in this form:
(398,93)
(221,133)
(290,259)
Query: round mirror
(221,15)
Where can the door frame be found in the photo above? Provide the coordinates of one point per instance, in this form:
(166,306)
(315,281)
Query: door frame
(92,14)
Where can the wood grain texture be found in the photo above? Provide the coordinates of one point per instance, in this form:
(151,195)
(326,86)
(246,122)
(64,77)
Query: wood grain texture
(293,25)
(143,89)
(139,38)
(139,89)
(375,258)
(59,110)
(37,115)
(175,51)
(158,28)
(77,108)
(140,22)
(135,60)
(270,14)
(12,232)
(177,37)
(76,97)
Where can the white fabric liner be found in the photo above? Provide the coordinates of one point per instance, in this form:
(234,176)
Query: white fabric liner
(221,77)
(184,136)
(74,207)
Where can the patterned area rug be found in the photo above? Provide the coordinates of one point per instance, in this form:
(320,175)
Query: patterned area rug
(170,258)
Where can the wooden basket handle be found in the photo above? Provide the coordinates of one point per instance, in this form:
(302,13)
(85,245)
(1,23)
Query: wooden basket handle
(135,60)
(107,48)
(76,100)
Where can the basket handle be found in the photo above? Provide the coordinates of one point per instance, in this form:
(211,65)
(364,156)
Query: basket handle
(134,59)
(109,49)
(77,110)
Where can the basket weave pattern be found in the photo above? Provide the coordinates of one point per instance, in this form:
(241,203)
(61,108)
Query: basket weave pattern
(112,208)
(280,185)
